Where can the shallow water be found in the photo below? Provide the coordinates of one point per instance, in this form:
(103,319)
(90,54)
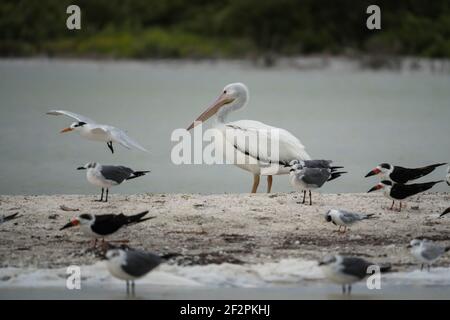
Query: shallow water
(358,118)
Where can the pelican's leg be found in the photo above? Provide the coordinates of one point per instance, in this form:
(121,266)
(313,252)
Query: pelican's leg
(269,183)
(392,206)
(255,183)
(310,198)
(304,196)
(110,146)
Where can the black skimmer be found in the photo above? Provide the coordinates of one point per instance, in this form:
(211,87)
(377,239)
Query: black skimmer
(307,175)
(103,225)
(346,270)
(109,176)
(345,219)
(130,264)
(402,175)
(447,177)
(445,212)
(13,216)
(426,251)
(93,131)
(398,191)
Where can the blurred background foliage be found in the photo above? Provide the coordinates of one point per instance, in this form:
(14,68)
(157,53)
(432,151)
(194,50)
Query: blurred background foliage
(223,28)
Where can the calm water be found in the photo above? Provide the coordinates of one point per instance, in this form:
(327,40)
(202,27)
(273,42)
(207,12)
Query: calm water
(358,118)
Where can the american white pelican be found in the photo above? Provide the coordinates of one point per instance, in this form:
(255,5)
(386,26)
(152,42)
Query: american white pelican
(233,97)
(91,130)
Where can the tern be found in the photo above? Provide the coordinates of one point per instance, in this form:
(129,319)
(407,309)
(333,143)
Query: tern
(307,175)
(109,176)
(244,137)
(402,175)
(91,130)
(131,264)
(104,225)
(346,270)
(345,219)
(13,216)
(398,191)
(426,251)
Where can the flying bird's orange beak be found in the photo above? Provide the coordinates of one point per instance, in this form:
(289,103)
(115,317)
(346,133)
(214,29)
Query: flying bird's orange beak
(66,130)
(212,110)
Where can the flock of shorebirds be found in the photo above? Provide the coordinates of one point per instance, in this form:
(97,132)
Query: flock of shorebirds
(305,175)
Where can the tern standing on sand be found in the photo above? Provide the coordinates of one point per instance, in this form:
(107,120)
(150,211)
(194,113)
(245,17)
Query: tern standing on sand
(108,176)
(345,219)
(91,130)
(426,251)
(252,157)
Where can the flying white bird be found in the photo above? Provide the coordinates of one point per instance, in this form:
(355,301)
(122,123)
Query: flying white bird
(244,138)
(91,130)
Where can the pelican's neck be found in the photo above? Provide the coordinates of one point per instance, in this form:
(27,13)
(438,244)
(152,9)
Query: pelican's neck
(223,113)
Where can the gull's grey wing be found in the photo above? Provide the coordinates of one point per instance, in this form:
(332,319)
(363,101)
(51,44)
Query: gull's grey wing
(355,266)
(73,115)
(116,173)
(139,263)
(121,137)
(432,251)
(349,217)
(314,176)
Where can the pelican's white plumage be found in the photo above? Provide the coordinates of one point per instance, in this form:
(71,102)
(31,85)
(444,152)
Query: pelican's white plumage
(255,158)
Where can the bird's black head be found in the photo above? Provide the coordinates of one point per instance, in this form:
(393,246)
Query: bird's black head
(80,124)
(387,182)
(86,216)
(386,166)
(328,260)
(328,216)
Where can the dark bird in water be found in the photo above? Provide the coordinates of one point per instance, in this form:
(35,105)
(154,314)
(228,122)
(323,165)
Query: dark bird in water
(109,176)
(400,174)
(103,225)
(312,174)
(398,191)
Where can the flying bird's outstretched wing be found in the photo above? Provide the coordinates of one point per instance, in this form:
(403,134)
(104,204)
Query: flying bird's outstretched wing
(122,138)
(75,116)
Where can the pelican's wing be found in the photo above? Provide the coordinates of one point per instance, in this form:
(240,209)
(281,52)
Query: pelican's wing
(255,139)
(75,116)
(121,137)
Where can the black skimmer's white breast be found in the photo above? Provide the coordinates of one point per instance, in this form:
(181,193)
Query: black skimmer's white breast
(105,176)
(398,191)
(344,218)
(426,251)
(104,225)
(130,264)
(91,130)
(400,174)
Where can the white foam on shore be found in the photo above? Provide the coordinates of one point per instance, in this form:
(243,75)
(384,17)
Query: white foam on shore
(284,272)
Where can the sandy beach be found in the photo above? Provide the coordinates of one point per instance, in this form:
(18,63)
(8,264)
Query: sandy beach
(233,228)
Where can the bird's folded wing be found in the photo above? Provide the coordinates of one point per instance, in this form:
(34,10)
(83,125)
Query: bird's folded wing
(348,217)
(122,138)
(139,263)
(75,116)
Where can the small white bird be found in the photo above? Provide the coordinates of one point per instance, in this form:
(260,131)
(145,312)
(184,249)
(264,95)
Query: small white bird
(345,219)
(347,270)
(91,130)
(131,264)
(426,251)
(109,176)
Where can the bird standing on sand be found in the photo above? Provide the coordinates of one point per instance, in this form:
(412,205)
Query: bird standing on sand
(401,175)
(131,264)
(13,216)
(108,176)
(103,225)
(345,219)
(312,174)
(347,270)
(91,130)
(398,191)
(251,141)
(426,251)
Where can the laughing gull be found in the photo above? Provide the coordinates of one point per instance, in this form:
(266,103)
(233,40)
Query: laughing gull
(108,176)
(426,251)
(345,219)
(101,226)
(398,191)
(91,130)
(445,212)
(13,216)
(131,264)
(346,270)
(402,175)
(312,174)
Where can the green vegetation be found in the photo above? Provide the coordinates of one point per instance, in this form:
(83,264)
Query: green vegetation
(223,28)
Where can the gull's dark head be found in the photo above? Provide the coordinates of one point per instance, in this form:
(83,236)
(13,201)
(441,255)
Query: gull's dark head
(330,259)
